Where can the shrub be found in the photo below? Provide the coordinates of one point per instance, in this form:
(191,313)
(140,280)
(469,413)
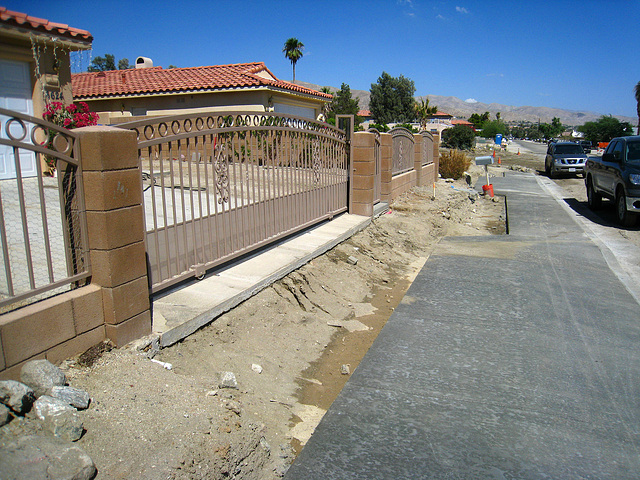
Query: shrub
(459,137)
(453,164)
(379,127)
(408,126)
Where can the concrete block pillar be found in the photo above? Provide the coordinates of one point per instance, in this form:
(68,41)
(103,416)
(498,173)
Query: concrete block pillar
(417,158)
(436,155)
(364,170)
(386,166)
(111,180)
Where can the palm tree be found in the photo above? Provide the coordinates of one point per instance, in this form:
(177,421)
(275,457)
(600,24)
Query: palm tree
(424,111)
(637,92)
(293,51)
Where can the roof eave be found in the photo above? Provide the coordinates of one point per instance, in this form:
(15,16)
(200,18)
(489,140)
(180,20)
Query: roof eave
(201,91)
(27,33)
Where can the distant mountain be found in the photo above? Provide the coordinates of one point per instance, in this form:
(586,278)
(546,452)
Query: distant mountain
(461,109)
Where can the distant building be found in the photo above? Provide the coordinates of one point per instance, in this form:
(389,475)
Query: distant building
(119,95)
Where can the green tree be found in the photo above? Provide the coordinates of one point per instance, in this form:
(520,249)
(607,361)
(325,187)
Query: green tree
(478,120)
(293,51)
(460,137)
(551,130)
(636,90)
(102,64)
(605,128)
(424,111)
(392,100)
(344,104)
(491,128)
(123,64)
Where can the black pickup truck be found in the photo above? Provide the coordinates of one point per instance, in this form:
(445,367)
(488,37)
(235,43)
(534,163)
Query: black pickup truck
(616,176)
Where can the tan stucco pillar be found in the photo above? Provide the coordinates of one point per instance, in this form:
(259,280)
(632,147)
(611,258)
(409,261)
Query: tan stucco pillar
(115,225)
(386,166)
(364,170)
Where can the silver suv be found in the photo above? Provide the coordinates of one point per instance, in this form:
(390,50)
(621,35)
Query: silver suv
(564,157)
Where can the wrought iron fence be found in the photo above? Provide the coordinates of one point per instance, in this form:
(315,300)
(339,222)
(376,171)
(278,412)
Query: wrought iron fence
(403,150)
(43,232)
(427,148)
(219,185)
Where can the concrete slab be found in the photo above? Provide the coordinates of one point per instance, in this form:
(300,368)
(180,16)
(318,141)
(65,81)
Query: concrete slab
(183,310)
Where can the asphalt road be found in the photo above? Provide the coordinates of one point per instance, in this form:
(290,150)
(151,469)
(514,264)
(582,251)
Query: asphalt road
(528,146)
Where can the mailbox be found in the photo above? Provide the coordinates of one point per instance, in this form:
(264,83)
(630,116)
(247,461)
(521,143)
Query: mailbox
(488,160)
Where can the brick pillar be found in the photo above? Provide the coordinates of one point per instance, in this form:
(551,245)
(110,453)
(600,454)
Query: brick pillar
(116,229)
(386,166)
(417,158)
(364,170)
(436,155)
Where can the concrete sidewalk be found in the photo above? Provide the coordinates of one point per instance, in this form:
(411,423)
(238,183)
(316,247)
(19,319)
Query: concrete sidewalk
(183,310)
(509,357)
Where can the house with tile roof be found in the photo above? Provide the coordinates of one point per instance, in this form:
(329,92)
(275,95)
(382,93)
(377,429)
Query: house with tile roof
(34,60)
(147,90)
(34,69)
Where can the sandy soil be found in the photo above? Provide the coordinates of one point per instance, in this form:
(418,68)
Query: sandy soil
(291,348)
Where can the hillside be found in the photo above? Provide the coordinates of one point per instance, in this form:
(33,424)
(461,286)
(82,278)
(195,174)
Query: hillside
(461,109)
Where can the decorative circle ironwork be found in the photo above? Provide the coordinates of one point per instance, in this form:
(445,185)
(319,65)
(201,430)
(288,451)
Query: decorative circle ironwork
(39,135)
(175,127)
(199,124)
(149,132)
(62,144)
(163,129)
(187,125)
(211,122)
(10,135)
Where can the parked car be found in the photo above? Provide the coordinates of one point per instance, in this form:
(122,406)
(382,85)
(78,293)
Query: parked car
(586,146)
(564,157)
(616,176)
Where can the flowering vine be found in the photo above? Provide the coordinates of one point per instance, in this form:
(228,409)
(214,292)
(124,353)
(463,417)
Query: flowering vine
(70,117)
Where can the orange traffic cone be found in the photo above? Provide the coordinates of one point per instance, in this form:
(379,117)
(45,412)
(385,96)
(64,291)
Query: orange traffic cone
(518,151)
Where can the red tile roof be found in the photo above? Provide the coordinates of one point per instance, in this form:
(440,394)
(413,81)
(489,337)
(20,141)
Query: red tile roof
(441,114)
(22,20)
(457,121)
(364,113)
(141,81)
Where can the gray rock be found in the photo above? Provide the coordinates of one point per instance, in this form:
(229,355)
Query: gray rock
(66,425)
(47,406)
(352,260)
(228,380)
(75,397)
(44,457)
(5,415)
(17,396)
(41,375)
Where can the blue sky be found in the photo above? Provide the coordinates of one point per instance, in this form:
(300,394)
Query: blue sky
(576,55)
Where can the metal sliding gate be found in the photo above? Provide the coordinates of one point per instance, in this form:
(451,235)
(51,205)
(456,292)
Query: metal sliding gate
(219,185)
